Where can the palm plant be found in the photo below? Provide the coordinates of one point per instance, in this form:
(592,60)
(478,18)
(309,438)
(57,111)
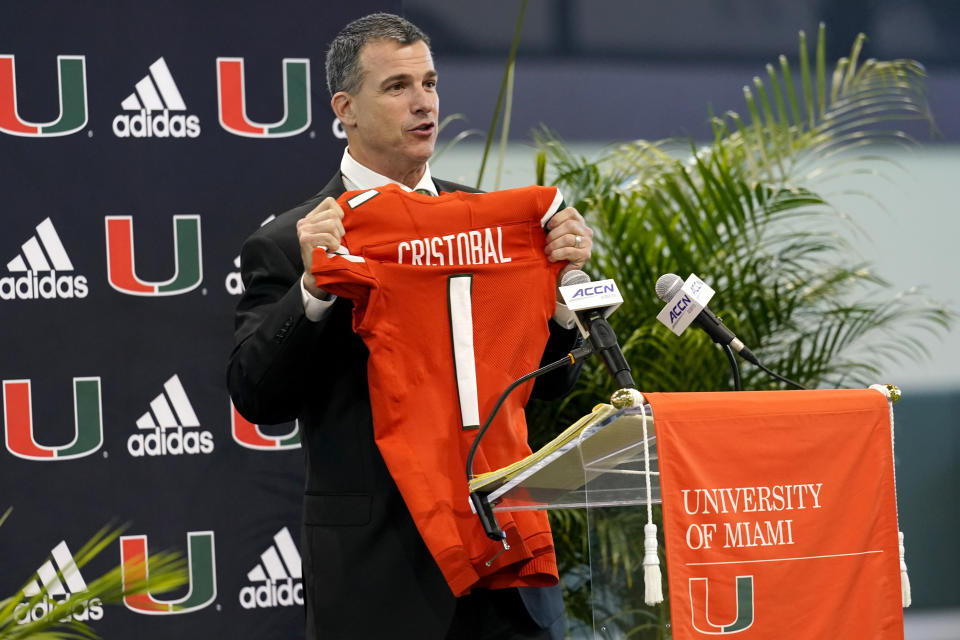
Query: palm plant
(752,212)
(166,571)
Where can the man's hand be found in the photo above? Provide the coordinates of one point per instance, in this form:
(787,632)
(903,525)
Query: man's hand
(322,227)
(568,238)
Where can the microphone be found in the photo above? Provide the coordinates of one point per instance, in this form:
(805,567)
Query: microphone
(593,302)
(686,299)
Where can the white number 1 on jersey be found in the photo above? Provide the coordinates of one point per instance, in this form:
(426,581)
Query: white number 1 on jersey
(459,298)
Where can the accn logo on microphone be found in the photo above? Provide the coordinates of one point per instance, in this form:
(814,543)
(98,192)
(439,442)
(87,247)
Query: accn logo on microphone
(592,295)
(685,304)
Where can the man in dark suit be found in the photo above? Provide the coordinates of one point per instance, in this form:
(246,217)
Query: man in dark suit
(367,573)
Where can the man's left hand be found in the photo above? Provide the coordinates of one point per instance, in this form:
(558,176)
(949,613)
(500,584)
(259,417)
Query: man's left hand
(568,238)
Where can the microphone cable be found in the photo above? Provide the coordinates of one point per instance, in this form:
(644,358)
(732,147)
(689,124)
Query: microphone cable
(667,287)
(734,367)
(774,374)
(575,354)
(479,500)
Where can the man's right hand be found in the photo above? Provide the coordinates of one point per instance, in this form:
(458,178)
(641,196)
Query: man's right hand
(322,227)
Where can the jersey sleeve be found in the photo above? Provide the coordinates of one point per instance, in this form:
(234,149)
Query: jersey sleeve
(550,202)
(346,276)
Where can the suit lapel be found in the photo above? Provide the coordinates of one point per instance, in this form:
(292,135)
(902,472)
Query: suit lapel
(334,188)
(444,186)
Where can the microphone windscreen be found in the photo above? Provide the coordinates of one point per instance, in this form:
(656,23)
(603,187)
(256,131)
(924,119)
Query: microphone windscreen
(667,286)
(574,277)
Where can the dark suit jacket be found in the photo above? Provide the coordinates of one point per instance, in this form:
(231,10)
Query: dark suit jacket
(367,573)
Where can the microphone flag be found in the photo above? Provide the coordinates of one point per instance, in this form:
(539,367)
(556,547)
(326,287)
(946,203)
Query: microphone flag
(686,304)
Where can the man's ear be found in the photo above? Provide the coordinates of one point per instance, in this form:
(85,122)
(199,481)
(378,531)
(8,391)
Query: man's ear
(342,105)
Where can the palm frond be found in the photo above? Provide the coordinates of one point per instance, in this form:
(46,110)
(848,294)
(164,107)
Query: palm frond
(749,212)
(459,137)
(167,572)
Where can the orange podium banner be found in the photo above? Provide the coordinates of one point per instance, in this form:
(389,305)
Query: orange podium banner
(779,513)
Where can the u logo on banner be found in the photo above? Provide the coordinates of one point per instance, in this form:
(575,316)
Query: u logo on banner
(231,100)
(699,591)
(120,258)
(202,568)
(18,421)
(249,435)
(72,73)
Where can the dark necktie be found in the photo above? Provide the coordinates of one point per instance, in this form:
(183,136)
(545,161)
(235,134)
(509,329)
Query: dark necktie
(425,192)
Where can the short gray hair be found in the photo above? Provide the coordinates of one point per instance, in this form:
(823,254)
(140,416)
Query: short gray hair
(343,56)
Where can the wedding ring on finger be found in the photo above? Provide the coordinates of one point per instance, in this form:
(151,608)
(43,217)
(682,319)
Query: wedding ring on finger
(577,241)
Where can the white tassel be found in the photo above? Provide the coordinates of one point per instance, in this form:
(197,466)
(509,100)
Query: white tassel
(892,392)
(652,580)
(904,578)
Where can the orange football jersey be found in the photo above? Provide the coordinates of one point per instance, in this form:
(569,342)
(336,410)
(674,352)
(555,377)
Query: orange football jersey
(451,295)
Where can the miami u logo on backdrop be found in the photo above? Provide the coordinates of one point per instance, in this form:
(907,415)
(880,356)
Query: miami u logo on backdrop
(19,427)
(232,106)
(188,272)
(201,561)
(72,75)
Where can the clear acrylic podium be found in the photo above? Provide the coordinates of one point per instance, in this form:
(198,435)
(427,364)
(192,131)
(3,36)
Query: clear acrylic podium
(598,468)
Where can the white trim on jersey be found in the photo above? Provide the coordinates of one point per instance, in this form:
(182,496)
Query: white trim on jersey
(554,207)
(360,198)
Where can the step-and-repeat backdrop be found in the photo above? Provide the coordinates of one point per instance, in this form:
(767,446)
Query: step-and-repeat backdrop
(140,143)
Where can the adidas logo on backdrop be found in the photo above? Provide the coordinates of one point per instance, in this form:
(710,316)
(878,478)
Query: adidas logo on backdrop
(167,428)
(279,575)
(55,591)
(233,282)
(155,97)
(40,270)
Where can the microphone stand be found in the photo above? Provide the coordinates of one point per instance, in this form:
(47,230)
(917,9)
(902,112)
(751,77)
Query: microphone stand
(479,500)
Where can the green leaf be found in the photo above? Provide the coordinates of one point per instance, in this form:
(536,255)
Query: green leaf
(753,213)
(167,572)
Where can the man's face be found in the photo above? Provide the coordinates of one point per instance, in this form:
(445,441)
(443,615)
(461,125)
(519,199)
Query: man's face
(391,120)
